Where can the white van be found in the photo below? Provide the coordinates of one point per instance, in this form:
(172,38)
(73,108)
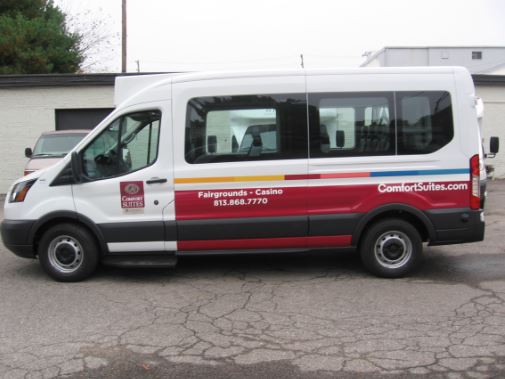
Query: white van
(51,147)
(378,160)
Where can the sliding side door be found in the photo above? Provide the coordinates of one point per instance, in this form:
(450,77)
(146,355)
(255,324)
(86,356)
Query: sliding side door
(241,164)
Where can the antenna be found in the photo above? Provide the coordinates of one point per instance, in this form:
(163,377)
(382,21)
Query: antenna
(301,62)
(138,65)
(123,37)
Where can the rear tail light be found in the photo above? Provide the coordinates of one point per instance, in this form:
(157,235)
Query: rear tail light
(474,182)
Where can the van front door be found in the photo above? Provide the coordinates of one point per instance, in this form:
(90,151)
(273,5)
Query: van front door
(127,180)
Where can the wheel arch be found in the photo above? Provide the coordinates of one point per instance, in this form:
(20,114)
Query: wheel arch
(397,210)
(53,218)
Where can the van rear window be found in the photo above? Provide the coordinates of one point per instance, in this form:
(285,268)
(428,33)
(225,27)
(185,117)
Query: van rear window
(379,123)
(424,121)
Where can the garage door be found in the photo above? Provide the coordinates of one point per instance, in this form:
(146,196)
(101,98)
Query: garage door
(67,119)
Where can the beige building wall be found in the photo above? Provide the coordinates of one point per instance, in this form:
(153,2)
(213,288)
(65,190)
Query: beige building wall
(27,112)
(493,123)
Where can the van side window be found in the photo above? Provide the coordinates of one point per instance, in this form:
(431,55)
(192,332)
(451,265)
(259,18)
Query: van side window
(252,130)
(241,128)
(424,121)
(351,124)
(128,144)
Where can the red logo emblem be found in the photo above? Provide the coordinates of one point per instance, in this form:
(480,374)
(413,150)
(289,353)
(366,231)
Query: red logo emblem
(132,194)
(132,188)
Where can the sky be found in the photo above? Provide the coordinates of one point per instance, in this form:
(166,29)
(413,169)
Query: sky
(188,35)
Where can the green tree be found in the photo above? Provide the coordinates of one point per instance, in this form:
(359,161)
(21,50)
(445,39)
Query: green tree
(34,39)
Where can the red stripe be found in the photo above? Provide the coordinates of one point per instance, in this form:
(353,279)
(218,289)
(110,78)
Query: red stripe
(266,243)
(302,177)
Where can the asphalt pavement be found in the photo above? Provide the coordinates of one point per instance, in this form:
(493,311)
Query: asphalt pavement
(285,316)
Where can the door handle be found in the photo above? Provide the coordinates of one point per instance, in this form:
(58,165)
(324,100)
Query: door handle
(156,180)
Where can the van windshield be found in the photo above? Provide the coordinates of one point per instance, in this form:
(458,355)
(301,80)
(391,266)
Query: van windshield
(56,145)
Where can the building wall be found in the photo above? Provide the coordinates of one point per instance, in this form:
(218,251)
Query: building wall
(493,123)
(491,58)
(492,62)
(500,70)
(27,112)
(406,57)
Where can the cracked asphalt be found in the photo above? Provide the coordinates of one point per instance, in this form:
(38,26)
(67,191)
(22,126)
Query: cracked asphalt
(285,316)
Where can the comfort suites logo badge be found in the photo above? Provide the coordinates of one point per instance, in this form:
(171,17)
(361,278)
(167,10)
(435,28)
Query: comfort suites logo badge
(132,194)
(132,188)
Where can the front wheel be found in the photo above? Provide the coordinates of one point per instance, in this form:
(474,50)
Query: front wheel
(68,253)
(391,248)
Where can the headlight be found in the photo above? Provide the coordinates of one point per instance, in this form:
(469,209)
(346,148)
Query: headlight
(20,191)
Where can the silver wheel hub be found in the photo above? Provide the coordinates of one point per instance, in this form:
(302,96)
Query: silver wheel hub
(65,254)
(393,249)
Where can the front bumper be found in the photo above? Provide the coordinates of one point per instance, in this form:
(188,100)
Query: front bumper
(16,237)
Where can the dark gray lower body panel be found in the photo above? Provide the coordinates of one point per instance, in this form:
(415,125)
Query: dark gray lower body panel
(16,237)
(456,225)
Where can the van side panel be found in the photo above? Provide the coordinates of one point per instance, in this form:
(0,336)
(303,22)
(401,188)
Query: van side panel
(223,204)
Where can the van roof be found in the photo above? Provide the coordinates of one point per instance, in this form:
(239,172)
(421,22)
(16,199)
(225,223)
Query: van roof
(128,86)
(211,75)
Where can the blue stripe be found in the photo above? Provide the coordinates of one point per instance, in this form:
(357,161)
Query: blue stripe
(394,173)
(450,171)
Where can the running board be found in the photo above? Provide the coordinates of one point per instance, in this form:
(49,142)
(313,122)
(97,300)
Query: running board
(140,261)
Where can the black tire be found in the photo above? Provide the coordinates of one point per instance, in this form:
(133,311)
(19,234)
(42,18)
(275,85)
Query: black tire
(68,252)
(391,248)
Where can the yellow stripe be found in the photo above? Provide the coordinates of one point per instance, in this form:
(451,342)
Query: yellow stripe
(263,178)
(204,180)
(220,179)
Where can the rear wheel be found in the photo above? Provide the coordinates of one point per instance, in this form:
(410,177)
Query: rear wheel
(68,252)
(391,248)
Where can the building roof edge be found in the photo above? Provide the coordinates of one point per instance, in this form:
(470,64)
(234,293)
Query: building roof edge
(62,80)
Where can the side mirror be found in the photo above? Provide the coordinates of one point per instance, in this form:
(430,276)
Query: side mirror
(76,165)
(28,152)
(212,144)
(494,145)
(340,138)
